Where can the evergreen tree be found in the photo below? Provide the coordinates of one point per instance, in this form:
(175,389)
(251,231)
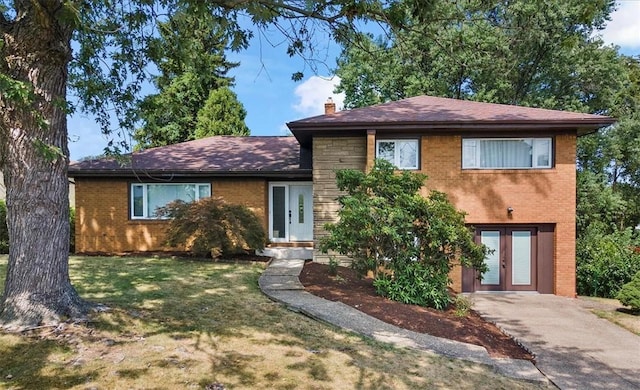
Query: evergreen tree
(222,114)
(190,55)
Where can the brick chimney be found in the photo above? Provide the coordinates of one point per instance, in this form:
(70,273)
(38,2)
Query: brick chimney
(329,107)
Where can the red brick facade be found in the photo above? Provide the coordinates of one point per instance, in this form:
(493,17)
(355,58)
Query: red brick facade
(103,223)
(540,196)
(536,196)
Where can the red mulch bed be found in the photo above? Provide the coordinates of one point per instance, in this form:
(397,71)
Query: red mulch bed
(360,294)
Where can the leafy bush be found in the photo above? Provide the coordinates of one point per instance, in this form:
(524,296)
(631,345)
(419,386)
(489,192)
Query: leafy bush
(605,262)
(415,283)
(408,241)
(4,231)
(629,294)
(212,226)
(462,305)
(333,266)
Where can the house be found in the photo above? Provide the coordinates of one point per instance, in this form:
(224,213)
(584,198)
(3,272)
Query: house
(512,169)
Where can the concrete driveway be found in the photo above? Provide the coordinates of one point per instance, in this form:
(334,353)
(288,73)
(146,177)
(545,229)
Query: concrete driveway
(574,348)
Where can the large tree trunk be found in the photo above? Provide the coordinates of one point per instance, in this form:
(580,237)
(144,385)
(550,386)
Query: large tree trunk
(34,162)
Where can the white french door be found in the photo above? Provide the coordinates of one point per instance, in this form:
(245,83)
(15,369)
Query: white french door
(290,212)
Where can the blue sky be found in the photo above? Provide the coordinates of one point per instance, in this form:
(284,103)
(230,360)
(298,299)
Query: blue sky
(271,98)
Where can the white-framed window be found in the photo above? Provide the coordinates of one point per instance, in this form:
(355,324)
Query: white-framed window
(147,197)
(403,153)
(506,153)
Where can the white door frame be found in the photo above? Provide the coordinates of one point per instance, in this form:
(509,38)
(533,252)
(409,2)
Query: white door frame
(285,236)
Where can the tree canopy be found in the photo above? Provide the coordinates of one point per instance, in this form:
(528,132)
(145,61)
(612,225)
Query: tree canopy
(59,56)
(194,98)
(533,53)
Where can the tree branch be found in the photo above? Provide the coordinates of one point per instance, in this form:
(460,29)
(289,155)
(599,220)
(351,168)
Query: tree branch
(5,25)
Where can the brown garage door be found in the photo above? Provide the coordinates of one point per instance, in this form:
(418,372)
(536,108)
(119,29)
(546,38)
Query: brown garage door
(521,259)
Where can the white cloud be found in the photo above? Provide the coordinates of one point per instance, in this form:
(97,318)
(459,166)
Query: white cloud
(312,94)
(623,29)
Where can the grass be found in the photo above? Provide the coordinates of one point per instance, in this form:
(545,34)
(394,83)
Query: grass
(178,324)
(613,311)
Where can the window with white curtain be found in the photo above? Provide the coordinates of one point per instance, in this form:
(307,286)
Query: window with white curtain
(146,198)
(403,153)
(506,153)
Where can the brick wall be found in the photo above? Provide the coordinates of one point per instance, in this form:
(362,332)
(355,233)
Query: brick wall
(329,155)
(102,214)
(536,196)
(252,193)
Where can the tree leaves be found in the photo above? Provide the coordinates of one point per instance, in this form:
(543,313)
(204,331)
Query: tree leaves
(410,242)
(532,53)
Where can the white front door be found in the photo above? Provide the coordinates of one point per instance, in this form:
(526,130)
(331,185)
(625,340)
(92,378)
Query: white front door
(290,212)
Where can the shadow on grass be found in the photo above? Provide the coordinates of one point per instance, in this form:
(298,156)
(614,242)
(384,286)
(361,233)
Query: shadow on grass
(208,304)
(27,364)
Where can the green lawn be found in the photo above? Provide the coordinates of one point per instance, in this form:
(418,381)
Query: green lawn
(178,324)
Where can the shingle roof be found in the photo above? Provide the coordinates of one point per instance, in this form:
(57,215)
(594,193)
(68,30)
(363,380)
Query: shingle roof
(442,115)
(429,109)
(212,155)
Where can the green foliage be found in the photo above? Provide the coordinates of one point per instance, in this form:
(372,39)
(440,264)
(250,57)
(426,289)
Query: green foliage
(4,231)
(598,204)
(608,196)
(333,266)
(629,294)
(415,283)
(605,262)
(533,53)
(193,99)
(462,305)
(222,114)
(14,90)
(213,227)
(408,241)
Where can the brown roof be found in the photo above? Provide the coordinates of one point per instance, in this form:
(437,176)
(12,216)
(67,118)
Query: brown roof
(212,155)
(434,113)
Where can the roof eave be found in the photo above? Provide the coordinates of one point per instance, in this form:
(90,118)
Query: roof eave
(461,125)
(301,130)
(157,174)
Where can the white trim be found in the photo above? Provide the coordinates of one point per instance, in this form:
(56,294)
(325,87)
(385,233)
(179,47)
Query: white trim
(144,186)
(396,155)
(471,145)
(286,185)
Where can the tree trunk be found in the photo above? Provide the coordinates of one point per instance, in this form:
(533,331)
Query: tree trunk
(33,138)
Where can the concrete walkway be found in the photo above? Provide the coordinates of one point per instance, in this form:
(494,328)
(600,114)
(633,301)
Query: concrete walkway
(573,347)
(281,283)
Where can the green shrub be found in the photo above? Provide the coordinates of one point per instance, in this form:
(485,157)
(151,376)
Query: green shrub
(213,227)
(605,262)
(416,284)
(409,242)
(4,230)
(629,294)
(462,305)
(333,266)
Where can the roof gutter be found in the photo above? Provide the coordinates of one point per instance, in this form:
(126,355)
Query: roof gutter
(165,174)
(303,130)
